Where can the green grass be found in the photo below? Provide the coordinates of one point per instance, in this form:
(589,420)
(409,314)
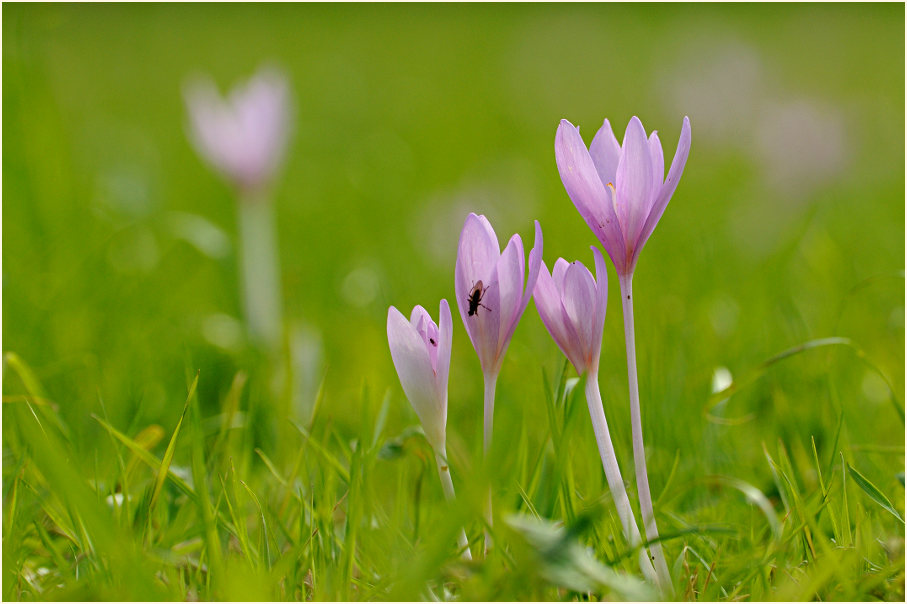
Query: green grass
(146,454)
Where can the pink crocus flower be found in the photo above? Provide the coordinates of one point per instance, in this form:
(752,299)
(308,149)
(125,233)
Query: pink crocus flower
(420,349)
(421,353)
(620,190)
(572,306)
(490,289)
(243,136)
(492,298)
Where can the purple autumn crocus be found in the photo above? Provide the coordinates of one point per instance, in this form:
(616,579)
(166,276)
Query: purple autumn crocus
(421,353)
(492,289)
(492,292)
(572,305)
(420,349)
(621,192)
(243,136)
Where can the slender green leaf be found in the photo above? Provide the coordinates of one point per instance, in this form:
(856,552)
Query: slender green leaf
(171,448)
(874,493)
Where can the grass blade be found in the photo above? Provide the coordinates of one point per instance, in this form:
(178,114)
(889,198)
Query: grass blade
(873,491)
(755,497)
(171,449)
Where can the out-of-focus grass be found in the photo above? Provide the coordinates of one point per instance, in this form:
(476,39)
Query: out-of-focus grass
(787,227)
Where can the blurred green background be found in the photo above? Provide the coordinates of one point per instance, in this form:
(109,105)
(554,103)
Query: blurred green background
(119,265)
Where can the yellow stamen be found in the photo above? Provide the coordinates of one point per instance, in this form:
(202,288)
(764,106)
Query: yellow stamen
(613,197)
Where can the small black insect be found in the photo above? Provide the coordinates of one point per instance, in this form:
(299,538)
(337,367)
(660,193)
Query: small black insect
(475,298)
(432,340)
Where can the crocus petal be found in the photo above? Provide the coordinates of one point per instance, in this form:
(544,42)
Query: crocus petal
(427,330)
(560,270)
(586,190)
(658,167)
(634,183)
(601,302)
(489,320)
(548,301)
(605,153)
(206,123)
(511,267)
(484,326)
(445,339)
(414,369)
(262,115)
(670,184)
(477,255)
(535,262)
(572,343)
(551,310)
(579,299)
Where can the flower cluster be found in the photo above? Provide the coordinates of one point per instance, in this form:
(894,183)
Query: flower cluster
(621,192)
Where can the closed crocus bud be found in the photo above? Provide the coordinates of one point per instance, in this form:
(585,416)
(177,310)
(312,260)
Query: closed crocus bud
(491,294)
(620,190)
(243,136)
(572,306)
(421,353)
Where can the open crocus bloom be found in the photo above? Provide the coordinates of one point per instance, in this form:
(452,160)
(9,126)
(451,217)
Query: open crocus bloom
(490,287)
(243,136)
(619,190)
(421,353)
(572,306)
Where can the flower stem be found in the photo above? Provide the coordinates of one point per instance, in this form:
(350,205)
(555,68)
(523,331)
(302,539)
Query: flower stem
(259,266)
(639,451)
(447,485)
(491,380)
(612,471)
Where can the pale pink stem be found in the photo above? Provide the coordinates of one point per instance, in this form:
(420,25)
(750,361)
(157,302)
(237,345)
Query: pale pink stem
(491,380)
(612,471)
(260,271)
(639,451)
(447,485)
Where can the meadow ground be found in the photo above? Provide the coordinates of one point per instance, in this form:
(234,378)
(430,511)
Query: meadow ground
(150,452)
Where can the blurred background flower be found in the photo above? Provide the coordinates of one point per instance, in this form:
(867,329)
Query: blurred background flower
(243,136)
